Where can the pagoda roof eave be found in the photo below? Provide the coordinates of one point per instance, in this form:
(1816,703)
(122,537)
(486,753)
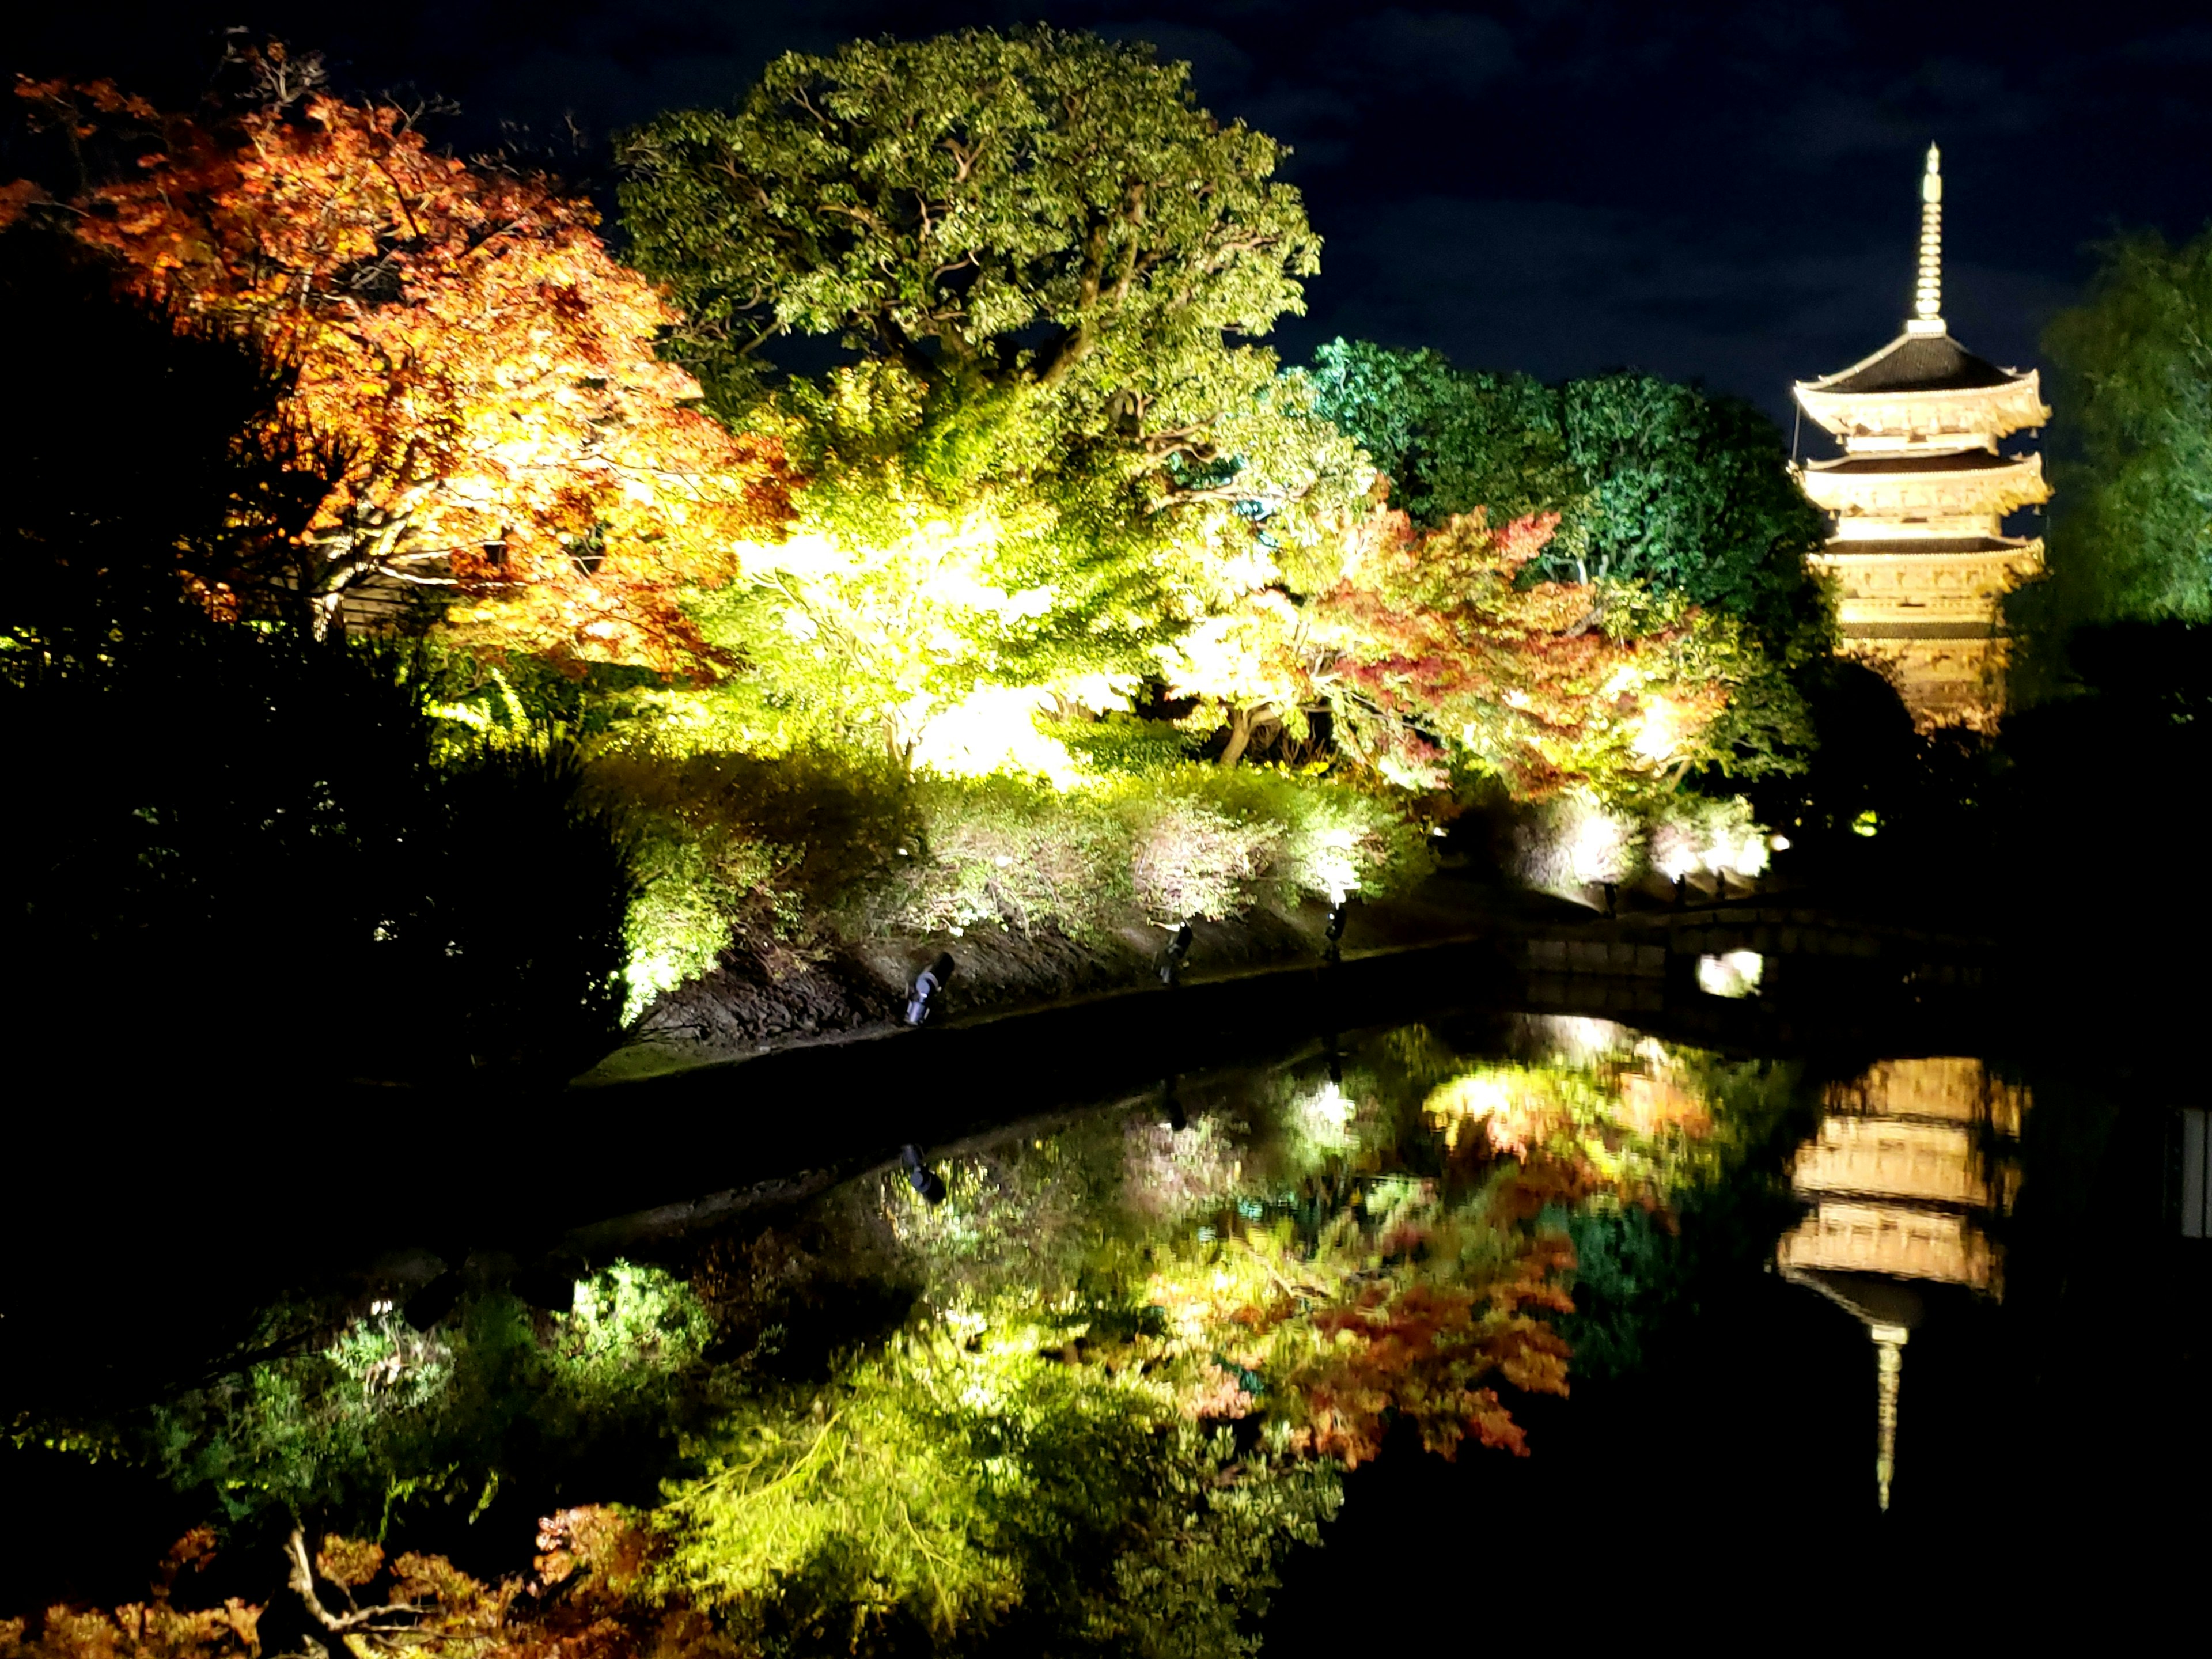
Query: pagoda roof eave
(1924,363)
(1964,461)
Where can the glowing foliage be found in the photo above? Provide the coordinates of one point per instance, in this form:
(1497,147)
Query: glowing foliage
(587,1599)
(153,1629)
(1655,485)
(1440,645)
(1653,481)
(473,380)
(1055,454)
(380,1414)
(1574,840)
(1407,1307)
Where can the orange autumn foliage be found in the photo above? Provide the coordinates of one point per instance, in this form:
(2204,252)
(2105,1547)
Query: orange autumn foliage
(470,373)
(1425,1348)
(152,1629)
(588,1597)
(1436,641)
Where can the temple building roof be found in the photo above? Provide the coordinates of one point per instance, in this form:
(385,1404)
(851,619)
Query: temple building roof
(1918,362)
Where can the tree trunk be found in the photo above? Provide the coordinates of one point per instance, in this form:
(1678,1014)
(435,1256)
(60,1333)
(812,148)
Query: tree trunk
(1240,734)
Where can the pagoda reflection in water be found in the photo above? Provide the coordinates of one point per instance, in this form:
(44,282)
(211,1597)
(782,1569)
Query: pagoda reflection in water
(1907,1162)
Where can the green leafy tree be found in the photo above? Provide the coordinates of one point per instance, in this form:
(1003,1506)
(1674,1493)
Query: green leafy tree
(1655,485)
(1452,439)
(1653,481)
(1051,444)
(1693,494)
(1039,211)
(2131,530)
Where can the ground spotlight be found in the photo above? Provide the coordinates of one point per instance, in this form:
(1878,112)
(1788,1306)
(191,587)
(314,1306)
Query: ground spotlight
(927,984)
(1178,948)
(919,1176)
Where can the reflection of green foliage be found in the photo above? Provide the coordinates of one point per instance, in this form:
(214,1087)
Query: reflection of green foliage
(382,1413)
(967,1477)
(1125,1362)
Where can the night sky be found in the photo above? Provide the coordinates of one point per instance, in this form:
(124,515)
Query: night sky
(1724,194)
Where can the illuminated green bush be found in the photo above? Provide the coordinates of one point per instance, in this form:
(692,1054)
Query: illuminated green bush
(817,842)
(1195,841)
(1123,745)
(733,845)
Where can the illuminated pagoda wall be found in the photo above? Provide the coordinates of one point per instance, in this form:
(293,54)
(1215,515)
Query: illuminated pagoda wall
(1919,497)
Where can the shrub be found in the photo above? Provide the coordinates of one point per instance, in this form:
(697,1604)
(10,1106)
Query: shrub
(1016,851)
(1572,842)
(1334,839)
(1197,840)
(730,843)
(1123,745)
(269,828)
(818,842)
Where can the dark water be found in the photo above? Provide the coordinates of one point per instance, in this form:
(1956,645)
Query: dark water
(1853,1330)
(2025,1239)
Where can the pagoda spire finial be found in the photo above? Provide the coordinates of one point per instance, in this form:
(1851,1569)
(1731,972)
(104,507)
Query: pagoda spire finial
(1889,1365)
(1927,297)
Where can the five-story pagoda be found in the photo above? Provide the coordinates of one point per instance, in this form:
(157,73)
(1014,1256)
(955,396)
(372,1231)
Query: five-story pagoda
(1920,495)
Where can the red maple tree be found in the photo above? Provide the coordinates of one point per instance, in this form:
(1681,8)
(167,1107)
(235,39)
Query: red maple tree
(471,374)
(1433,639)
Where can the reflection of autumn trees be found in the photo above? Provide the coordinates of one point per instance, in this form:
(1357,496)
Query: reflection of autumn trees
(1109,1382)
(1675,1154)
(1408,1305)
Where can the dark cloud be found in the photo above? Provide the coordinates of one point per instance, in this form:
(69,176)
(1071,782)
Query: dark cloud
(1402,54)
(1725,191)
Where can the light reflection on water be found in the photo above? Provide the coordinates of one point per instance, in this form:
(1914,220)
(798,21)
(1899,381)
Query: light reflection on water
(1879,1193)
(1911,1157)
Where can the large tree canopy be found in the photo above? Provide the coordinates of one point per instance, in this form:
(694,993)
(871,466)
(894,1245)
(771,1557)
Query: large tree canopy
(1050,445)
(2131,529)
(1038,211)
(1653,481)
(473,379)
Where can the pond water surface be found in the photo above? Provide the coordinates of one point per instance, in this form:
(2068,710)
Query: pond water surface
(1415,1334)
(1934,1321)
